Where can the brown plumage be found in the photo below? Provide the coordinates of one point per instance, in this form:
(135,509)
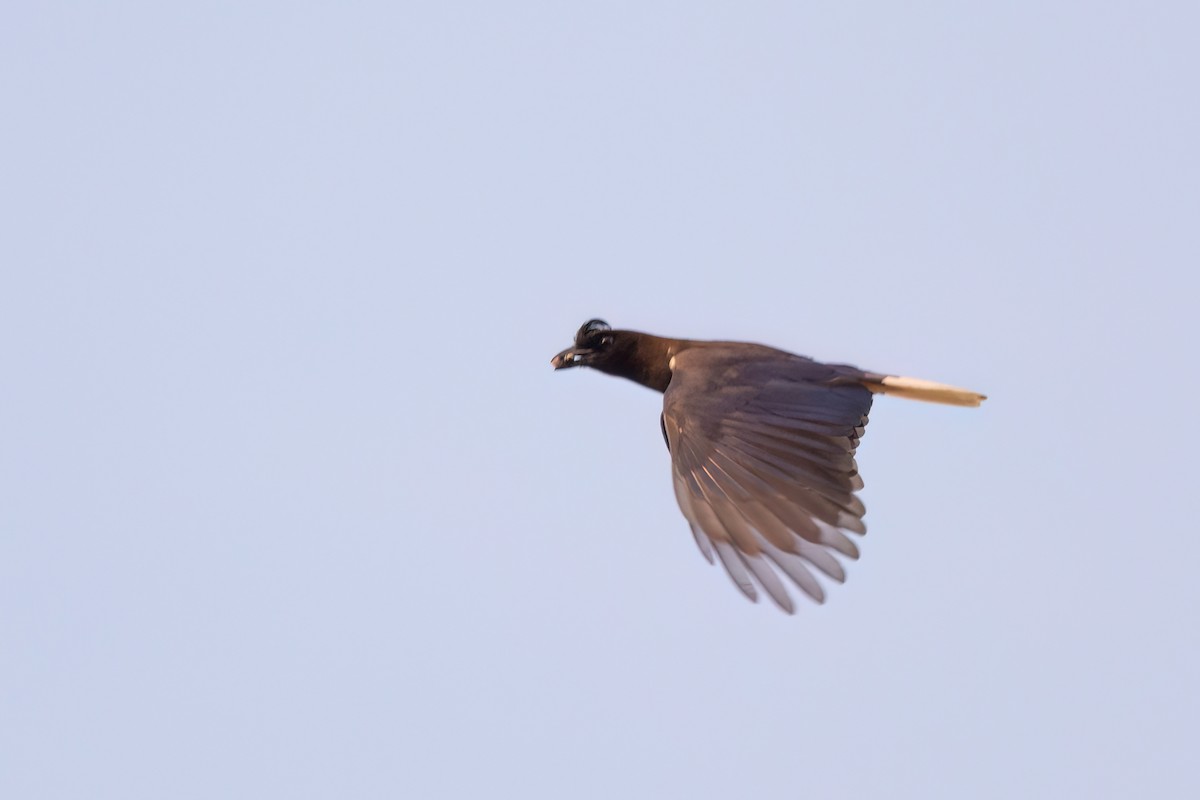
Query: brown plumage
(762,446)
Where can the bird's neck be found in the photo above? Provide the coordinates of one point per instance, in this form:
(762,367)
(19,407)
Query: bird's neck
(646,360)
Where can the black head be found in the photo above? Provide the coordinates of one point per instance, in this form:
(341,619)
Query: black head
(592,341)
(626,354)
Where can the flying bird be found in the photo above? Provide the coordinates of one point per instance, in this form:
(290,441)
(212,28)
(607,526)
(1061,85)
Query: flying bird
(762,446)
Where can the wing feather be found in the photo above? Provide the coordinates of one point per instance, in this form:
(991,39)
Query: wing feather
(763,465)
(733,565)
(769,580)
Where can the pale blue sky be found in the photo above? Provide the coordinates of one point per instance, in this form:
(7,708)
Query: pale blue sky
(292,504)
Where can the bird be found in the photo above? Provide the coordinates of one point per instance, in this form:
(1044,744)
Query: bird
(762,444)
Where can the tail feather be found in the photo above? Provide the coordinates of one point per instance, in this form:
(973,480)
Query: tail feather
(917,389)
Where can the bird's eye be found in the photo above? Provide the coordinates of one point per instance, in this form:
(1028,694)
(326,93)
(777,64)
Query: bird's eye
(591,332)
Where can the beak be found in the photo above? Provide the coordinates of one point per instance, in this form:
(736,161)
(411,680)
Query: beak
(570,357)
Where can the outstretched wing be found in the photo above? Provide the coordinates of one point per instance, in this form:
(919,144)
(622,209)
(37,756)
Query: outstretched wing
(762,449)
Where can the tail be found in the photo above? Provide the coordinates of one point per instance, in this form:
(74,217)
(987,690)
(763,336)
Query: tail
(917,389)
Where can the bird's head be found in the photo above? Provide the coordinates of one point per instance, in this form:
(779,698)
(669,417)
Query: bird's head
(639,357)
(593,347)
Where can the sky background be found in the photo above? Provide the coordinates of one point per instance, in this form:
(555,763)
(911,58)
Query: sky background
(292,504)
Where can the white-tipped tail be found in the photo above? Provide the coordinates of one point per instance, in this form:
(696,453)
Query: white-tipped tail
(917,389)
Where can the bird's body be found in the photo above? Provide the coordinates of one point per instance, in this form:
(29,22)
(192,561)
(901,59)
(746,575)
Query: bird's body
(762,446)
